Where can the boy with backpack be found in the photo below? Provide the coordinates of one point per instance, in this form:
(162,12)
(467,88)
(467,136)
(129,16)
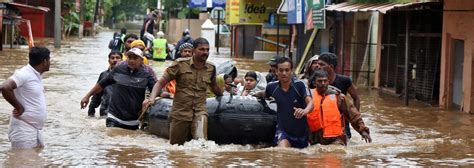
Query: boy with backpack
(116,43)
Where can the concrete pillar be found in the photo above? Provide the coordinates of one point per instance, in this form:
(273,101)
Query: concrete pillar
(378,55)
(57,24)
(81,17)
(207,32)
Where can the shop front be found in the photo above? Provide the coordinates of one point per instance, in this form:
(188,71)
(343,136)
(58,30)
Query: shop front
(255,26)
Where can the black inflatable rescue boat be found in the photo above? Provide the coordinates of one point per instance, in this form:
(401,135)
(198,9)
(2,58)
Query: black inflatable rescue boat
(232,119)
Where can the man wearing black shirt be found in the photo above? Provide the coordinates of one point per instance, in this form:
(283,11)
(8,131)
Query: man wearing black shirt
(293,100)
(148,23)
(328,62)
(130,83)
(271,76)
(103,97)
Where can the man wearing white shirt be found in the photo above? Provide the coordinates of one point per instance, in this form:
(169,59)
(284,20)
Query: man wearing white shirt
(24,90)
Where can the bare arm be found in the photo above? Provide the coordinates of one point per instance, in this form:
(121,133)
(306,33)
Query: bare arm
(302,112)
(215,89)
(244,93)
(146,25)
(260,94)
(85,100)
(7,88)
(309,104)
(156,90)
(355,96)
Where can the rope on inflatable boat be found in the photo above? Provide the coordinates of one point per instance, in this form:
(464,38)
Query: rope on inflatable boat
(144,112)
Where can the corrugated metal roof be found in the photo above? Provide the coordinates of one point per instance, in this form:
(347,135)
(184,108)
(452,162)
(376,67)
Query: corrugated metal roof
(371,7)
(20,5)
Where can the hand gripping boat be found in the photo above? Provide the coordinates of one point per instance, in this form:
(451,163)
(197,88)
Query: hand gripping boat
(232,119)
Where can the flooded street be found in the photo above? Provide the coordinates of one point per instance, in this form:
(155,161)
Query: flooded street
(417,135)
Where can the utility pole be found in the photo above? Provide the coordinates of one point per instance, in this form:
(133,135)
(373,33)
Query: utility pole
(96,12)
(81,18)
(407,49)
(57,24)
(218,29)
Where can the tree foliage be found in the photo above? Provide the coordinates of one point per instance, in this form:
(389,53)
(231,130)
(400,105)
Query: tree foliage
(125,9)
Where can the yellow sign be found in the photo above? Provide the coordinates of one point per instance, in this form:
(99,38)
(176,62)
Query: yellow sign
(250,11)
(232,11)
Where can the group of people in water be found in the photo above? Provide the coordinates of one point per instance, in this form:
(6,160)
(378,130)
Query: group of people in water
(311,108)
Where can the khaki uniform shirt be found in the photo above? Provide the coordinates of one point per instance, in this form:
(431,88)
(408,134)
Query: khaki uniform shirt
(191,85)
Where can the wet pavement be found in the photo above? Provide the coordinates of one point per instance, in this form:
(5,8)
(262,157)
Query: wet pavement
(418,135)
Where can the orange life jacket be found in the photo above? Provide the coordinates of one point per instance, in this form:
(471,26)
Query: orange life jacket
(326,116)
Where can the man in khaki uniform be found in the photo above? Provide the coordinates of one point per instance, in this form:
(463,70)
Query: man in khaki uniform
(193,75)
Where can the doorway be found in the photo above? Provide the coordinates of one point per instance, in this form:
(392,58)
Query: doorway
(458,66)
(245,42)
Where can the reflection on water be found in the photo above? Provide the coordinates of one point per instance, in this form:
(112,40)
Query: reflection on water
(418,135)
(128,156)
(23,158)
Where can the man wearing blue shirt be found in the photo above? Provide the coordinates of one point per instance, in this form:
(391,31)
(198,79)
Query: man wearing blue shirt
(293,100)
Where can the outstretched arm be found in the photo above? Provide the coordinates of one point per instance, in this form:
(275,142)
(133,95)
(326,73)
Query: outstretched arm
(353,115)
(95,90)
(299,113)
(155,91)
(98,87)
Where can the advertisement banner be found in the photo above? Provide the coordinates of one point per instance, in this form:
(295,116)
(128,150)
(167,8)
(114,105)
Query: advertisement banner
(218,3)
(309,15)
(257,11)
(250,11)
(319,14)
(206,3)
(296,11)
(197,3)
(232,10)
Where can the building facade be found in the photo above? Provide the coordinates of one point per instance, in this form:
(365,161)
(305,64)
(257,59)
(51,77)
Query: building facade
(456,85)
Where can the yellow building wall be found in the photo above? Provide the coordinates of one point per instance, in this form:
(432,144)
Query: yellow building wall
(250,11)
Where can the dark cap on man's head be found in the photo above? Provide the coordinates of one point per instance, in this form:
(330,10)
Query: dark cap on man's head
(274,60)
(156,12)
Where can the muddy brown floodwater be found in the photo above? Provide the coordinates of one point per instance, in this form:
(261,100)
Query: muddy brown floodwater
(417,135)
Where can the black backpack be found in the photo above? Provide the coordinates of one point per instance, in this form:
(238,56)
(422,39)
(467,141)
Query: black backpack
(116,42)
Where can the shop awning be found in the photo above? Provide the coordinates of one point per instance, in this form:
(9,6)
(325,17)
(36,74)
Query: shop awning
(28,7)
(375,7)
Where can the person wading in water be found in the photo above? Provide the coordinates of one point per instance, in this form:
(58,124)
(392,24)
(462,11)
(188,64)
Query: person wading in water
(331,110)
(193,76)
